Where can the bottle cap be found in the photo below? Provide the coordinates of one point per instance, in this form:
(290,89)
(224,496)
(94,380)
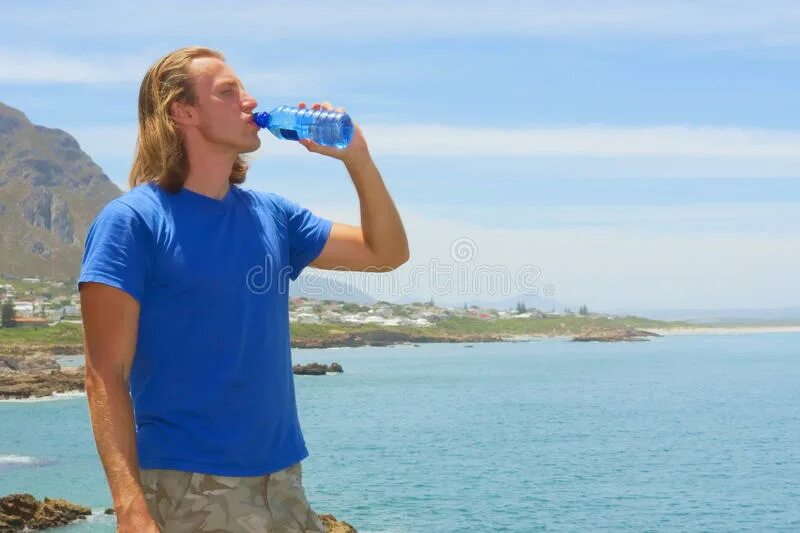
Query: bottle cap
(261,119)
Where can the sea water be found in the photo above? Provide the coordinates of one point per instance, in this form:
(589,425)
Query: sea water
(682,433)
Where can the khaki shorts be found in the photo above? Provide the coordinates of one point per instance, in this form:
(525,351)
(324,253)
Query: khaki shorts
(183,502)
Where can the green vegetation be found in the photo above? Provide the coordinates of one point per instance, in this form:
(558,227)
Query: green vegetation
(7,315)
(475,326)
(62,333)
(68,333)
(543,326)
(353,308)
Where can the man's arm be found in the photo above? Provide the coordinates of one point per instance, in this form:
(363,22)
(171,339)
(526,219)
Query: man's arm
(110,322)
(380,243)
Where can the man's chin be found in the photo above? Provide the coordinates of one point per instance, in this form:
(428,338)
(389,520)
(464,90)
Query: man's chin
(252,147)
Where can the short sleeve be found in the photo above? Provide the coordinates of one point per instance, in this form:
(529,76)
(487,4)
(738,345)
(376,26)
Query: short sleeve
(308,234)
(116,250)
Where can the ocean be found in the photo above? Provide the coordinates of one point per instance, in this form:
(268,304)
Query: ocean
(681,433)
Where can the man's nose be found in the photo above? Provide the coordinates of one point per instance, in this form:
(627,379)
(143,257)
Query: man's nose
(249,103)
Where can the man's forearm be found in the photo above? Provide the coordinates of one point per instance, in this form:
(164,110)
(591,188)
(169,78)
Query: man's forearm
(380,222)
(114,432)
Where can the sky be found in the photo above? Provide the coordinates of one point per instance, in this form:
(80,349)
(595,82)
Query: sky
(618,154)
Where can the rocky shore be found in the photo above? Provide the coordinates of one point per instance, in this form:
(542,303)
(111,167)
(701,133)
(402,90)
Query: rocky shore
(316,369)
(386,338)
(39,375)
(23,512)
(34,376)
(331,340)
(20,512)
(614,335)
(34,349)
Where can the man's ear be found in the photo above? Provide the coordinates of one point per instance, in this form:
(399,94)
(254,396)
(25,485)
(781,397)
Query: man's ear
(183,114)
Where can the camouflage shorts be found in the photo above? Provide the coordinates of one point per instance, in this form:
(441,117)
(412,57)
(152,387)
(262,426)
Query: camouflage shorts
(185,502)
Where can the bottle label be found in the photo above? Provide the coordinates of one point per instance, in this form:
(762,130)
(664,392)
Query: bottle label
(290,135)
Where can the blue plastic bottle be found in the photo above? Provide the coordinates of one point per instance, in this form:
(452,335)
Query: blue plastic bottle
(328,128)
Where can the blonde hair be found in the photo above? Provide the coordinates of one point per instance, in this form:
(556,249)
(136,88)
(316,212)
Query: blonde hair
(160,155)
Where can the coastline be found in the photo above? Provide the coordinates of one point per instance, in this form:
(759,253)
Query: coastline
(725,330)
(388,337)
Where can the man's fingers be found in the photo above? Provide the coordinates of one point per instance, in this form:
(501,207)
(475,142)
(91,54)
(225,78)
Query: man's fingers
(327,106)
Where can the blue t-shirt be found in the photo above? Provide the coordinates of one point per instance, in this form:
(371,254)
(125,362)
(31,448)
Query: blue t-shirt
(211,381)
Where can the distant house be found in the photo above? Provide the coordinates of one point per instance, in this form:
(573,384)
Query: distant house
(24,309)
(385,312)
(330,316)
(352,319)
(30,322)
(307,318)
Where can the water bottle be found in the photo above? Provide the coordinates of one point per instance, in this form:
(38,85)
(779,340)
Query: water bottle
(328,128)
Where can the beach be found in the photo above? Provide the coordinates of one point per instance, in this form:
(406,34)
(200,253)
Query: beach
(725,330)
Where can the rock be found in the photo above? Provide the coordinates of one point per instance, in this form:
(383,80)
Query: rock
(61,222)
(381,337)
(36,349)
(614,335)
(316,369)
(336,526)
(21,511)
(25,511)
(21,385)
(37,362)
(36,208)
(51,191)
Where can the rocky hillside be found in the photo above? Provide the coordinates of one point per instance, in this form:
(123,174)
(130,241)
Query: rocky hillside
(50,191)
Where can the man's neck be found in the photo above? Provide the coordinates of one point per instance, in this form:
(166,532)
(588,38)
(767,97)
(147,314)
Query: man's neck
(209,172)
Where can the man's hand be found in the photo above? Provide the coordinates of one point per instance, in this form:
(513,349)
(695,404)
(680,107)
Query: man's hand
(356,149)
(136,520)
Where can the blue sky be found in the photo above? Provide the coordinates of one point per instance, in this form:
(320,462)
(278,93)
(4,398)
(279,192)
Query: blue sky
(640,154)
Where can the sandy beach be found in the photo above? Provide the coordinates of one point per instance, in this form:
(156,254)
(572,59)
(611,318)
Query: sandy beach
(705,330)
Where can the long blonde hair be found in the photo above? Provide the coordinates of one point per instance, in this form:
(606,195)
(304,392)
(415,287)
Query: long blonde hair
(160,155)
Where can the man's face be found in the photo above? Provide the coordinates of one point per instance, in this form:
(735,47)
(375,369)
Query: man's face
(223,106)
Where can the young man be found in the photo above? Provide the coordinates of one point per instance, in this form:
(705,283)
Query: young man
(188,365)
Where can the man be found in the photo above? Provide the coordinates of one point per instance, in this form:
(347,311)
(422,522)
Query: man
(185,309)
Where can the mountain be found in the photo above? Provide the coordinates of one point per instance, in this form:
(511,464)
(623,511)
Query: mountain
(321,287)
(50,191)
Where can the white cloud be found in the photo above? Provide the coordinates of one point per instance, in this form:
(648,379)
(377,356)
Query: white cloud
(628,266)
(764,22)
(667,151)
(32,66)
(435,140)
(772,218)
